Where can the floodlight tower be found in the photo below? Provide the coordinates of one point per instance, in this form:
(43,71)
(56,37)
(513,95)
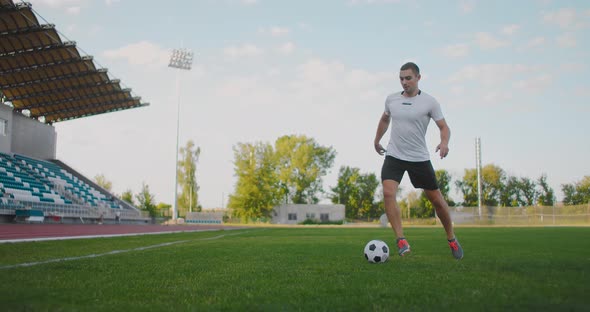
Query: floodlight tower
(478,166)
(180,59)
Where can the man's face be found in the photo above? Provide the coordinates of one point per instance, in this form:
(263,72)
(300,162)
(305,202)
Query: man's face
(409,80)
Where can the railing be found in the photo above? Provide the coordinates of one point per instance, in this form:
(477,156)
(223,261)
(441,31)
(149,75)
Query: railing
(531,215)
(70,210)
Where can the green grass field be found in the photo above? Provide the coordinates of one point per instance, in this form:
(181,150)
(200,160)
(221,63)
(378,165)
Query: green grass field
(302,269)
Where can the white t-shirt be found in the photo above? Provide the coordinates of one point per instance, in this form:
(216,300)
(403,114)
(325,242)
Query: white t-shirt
(409,121)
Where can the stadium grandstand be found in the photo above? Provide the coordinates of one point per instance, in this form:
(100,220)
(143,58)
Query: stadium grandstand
(44,80)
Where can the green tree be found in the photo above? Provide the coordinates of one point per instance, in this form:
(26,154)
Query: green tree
(102,181)
(146,200)
(528,192)
(468,187)
(356,192)
(509,197)
(302,163)
(493,178)
(577,193)
(444,179)
(187,172)
(411,204)
(546,193)
(128,197)
(425,208)
(257,189)
(163,209)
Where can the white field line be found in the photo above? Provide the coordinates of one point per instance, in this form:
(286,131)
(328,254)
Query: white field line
(114,252)
(39,239)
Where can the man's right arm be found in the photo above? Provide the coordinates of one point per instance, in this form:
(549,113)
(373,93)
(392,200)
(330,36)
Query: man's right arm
(381,129)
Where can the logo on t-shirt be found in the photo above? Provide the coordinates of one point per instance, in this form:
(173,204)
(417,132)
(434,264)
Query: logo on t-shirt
(406,103)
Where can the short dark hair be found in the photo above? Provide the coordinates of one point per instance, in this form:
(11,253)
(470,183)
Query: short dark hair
(412,66)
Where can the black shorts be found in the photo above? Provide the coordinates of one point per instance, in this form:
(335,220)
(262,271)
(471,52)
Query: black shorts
(421,173)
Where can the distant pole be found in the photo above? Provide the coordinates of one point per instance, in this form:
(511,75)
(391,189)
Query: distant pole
(478,166)
(180,59)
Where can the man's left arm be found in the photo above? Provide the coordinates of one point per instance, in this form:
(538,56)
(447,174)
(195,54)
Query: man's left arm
(445,136)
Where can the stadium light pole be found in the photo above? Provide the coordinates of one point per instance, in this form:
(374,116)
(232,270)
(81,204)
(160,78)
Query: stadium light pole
(478,166)
(181,59)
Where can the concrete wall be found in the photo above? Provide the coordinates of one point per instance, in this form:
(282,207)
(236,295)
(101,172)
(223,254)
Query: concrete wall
(6,140)
(281,213)
(27,136)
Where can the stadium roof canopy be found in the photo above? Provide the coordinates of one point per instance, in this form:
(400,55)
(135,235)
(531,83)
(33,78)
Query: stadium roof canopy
(47,76)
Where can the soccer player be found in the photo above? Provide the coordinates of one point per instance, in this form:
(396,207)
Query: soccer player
(409,113)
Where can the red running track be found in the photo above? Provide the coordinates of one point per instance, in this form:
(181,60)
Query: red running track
(32,232)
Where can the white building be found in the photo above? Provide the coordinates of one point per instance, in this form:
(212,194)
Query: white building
(297,213)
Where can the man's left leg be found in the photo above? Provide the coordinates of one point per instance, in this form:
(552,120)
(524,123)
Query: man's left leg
(442,211)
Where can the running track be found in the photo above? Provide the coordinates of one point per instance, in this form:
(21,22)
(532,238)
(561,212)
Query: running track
(34,232)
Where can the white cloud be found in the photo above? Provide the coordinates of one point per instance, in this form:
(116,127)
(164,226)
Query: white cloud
(278,31)
(275,31)
(573,67)
(510,29)
(567,40)
(249,2)
(487,41)
(369,2)
(567,18)
(286,48)
(71,28)
(491,83)
(73,10)
(140,53)
(456,50)
(245,50)
(466,6)
(582,92)
(304,26)
(534,84)
(491,74)
(535,42)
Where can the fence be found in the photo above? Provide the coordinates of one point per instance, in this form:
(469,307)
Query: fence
(533,215)
(8,207)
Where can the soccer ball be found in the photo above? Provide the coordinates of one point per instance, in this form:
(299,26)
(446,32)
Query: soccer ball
(376,251)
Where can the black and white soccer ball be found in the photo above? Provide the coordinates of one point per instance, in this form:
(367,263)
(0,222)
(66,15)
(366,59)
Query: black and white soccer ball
(376,251)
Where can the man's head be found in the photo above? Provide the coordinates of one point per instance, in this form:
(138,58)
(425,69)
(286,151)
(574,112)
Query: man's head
(409,75)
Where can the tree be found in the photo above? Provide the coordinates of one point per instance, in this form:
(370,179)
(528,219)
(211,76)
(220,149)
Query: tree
(546,194)
(146,200)
(302,163)
(493,178)
(444,178)
(411,204)
(128,197)
(425,208)
(163,209)
(577,193)
(257,189)
(468,187)
(356,192)
(187,171)
(102,181)
(528,192)
(510,197)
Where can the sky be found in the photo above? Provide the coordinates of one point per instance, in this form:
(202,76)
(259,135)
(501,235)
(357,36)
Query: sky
(514,73)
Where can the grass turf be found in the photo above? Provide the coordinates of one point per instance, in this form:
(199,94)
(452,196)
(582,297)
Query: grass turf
(303,269)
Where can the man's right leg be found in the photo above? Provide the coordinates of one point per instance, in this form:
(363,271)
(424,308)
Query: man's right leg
(393,213)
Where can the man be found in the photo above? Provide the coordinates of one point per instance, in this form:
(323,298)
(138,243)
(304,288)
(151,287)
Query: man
(409,113)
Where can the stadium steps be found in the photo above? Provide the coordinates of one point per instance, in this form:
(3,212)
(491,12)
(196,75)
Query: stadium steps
(74,183)
(18,183)
(100,192)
